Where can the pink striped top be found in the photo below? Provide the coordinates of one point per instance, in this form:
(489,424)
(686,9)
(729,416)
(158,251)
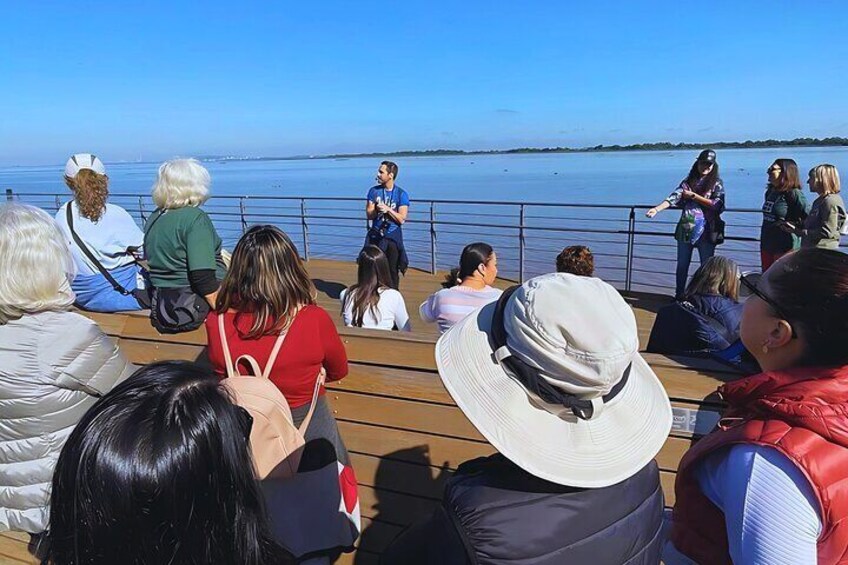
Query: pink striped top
(450,305)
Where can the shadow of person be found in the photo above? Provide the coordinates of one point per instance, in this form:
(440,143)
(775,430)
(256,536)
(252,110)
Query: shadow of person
(405,471)
(331,289)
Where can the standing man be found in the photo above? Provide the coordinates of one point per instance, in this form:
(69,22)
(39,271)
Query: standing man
(387,207)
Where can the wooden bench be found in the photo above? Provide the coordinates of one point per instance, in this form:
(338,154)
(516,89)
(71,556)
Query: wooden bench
(404,433)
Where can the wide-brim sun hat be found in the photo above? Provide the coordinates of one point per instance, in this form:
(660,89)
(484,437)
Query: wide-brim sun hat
(578,335)
(81,161)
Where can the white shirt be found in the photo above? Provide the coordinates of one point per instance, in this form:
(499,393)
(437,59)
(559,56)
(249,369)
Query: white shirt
(107,240)
(391,311)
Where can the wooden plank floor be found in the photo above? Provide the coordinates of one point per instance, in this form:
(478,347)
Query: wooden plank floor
(403,431)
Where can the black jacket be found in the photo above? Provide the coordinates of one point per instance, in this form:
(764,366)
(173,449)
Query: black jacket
(494,512)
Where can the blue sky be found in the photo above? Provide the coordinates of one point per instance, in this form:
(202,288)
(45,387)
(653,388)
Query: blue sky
(158,79)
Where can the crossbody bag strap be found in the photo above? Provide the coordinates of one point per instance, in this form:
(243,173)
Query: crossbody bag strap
(69,215)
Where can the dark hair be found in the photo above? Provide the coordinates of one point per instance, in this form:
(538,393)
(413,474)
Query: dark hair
(577,260)
(391,168)
(811,287)
(159,471)
(266,278)
(372,275)
(694,178)
(472,255)
(789,178)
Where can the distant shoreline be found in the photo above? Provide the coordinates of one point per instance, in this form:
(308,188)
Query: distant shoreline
(659,146)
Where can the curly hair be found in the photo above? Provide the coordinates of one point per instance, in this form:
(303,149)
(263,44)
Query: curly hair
(577,260)
(90,192)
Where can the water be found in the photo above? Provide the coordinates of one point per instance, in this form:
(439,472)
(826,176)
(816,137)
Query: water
(336,228)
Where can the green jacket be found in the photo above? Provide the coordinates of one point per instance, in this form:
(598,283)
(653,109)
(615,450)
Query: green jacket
(825,222)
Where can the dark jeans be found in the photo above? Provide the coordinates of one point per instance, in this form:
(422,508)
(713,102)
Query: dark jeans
(393,255)
(706,249)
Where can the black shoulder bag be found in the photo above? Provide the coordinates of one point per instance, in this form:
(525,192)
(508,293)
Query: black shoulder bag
(103,271)
(175,310)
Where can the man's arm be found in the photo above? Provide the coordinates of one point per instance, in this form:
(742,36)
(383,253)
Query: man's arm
(370,210)
(397,216)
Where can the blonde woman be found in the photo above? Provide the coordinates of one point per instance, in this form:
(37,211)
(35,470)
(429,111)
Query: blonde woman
(103,239)
(54,364)
(183,248)
(707,317)
(826,220)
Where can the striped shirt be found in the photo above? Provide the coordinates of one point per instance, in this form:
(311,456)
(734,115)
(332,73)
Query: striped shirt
(450,305)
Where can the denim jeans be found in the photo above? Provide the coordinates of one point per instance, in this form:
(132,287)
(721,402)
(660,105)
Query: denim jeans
(706,249)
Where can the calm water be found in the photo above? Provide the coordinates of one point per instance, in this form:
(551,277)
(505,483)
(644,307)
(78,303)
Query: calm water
(336,228)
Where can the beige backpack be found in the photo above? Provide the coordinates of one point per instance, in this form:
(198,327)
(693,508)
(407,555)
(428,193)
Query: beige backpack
(274,440)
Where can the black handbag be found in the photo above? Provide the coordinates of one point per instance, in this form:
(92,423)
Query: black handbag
(717,231)
(177,310)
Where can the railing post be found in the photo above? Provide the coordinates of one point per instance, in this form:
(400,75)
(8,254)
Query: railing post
(141,210)
(305,228)
(433,261)
(241,214)
(521,245)
(9,195)
(631,236)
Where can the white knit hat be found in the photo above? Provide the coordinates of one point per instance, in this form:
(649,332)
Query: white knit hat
(82,161)
(552,377)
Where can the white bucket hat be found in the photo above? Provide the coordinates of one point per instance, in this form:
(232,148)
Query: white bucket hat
(82,161)
(568,398)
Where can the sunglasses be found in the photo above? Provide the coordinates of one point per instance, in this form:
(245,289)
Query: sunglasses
(751,284)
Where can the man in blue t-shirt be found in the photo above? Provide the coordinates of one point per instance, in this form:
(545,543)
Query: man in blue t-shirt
(387,207)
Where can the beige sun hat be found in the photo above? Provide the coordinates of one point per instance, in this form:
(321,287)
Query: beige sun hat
(559,387)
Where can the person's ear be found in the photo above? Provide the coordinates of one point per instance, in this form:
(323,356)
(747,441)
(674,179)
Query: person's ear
(780,335)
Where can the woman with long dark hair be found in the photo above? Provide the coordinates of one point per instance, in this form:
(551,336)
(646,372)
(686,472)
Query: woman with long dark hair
(768,485)
(701,198)
(159,471)
(265,294)
(784,211)
(372,302)
(466,287)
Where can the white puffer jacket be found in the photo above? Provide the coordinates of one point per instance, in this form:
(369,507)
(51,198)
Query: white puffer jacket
(53,367)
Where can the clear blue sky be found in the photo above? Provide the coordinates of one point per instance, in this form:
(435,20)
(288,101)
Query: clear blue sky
(158,79)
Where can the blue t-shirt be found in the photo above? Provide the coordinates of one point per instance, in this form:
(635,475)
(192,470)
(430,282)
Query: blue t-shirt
(395,198)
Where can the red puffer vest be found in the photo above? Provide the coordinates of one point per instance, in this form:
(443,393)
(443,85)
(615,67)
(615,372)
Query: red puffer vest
(803,413)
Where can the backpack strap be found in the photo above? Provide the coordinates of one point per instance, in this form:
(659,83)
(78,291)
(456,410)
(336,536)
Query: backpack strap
(319,382)
(232,368)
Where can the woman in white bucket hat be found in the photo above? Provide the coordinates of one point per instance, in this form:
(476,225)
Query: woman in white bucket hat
(551,376)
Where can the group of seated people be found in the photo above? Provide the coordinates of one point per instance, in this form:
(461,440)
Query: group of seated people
(104,463)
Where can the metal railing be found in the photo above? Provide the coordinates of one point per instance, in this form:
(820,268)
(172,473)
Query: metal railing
(631,251)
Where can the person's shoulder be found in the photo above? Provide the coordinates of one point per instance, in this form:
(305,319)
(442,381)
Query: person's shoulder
(313,312)
(391,294)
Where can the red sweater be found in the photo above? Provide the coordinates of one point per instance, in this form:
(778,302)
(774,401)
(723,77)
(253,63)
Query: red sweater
(312,342)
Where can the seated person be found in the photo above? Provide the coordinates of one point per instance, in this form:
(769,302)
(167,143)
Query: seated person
(159,471)
(706,319)
(104,240)
(183,249)
(372,302)
(577,260)
(465,289)
(54,364)
(577,417)
(768,484)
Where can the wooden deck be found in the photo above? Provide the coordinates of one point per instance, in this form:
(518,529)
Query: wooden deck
(404,432)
